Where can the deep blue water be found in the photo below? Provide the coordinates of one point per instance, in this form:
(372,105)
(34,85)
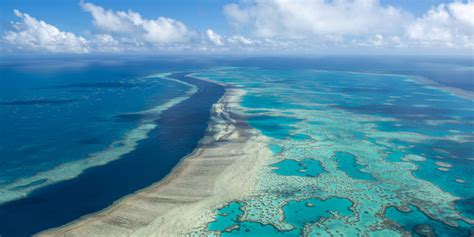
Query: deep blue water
(54,116)
(454,72)
(57,111)
(179,129)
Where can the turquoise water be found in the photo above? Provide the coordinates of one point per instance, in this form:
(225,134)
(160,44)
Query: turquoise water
(257,229)
(299,213)
(349,150)
(395,156)
(227,221)
(227,217)
(347,163)
(275,127)
(275,148)
(418,224)
(373,141)
(304,168)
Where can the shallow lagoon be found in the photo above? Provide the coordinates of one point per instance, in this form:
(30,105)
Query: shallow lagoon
(377,140)
(348,164)
(304,168)
(297,213)
(418,224)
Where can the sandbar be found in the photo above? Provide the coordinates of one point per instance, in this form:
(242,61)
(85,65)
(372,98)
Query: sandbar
(224,167)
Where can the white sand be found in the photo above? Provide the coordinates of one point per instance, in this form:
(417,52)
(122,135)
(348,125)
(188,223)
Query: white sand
(411,157)
(443,164)
(223,169)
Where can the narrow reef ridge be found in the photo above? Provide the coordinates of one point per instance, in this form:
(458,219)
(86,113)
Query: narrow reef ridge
(223,168)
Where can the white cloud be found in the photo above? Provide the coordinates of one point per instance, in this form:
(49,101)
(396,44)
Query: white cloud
(158,31)
(214,37)
(106,43)
(269,26)
(309,18)
(378,40)
(352,23)
(119,32)
(239,39)
(31,34)
(449,25)
(108,20)
(236,15)
(463,12)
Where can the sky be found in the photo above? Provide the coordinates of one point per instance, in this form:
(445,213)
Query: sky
(308,27)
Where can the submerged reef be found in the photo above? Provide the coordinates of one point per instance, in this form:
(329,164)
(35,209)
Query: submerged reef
(352,154)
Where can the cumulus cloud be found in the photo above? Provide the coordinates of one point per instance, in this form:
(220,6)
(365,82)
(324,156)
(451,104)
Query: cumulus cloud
(31,34)
(463,12)
(450,25)
(106,43)
(353,23)
(117,32)
(310,18)
(214,37)
(235,40)
(239,39)
(162,30)
(266,26)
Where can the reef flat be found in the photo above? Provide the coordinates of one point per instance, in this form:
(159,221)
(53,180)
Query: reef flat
(353,154)
(222,169)
(313,153)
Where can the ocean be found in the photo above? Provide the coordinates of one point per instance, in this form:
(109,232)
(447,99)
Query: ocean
(358,143)
(96,110)
(354,152)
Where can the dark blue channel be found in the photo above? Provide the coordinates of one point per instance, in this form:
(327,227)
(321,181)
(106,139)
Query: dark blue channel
(178,132)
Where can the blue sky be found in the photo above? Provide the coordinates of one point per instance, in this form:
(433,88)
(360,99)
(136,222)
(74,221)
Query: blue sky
(252,26)
(200,14)
(67,14)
